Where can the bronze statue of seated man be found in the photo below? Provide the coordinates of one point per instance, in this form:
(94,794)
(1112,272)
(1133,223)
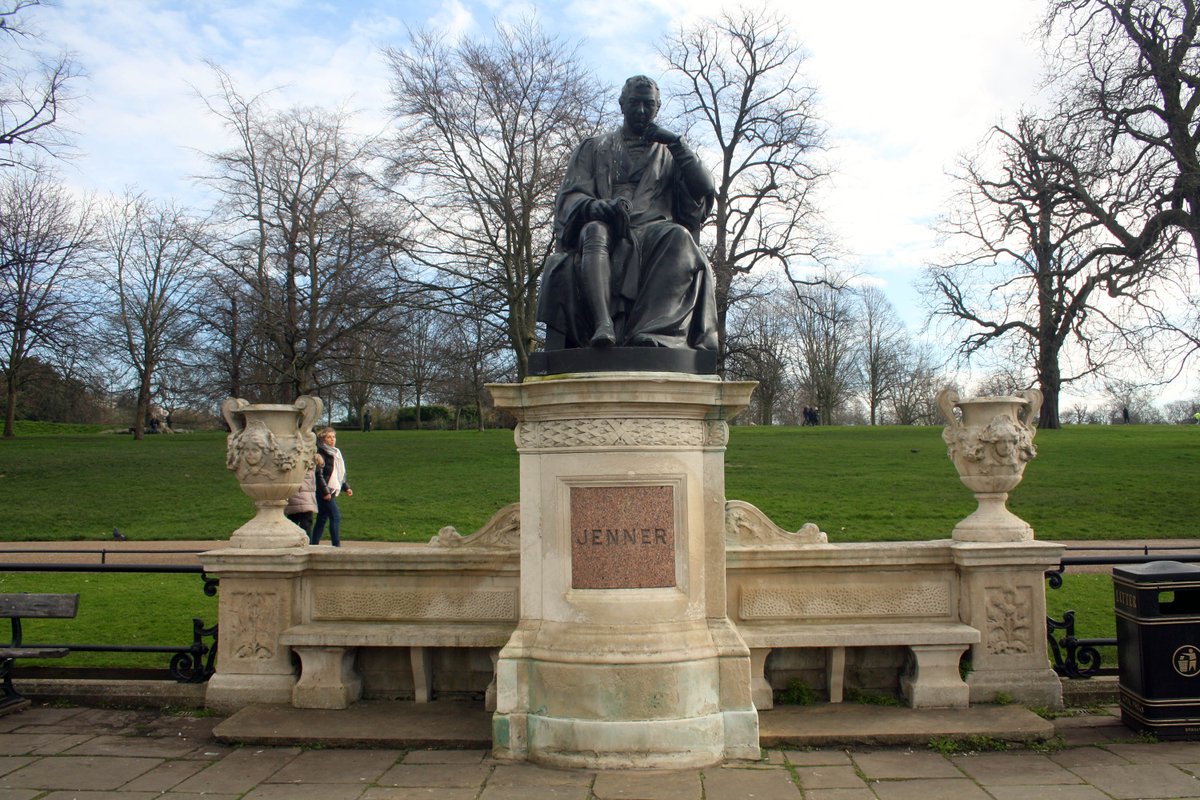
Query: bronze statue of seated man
(628,270)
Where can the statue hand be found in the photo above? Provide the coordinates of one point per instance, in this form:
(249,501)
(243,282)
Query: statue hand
(600,210)
(656,133)
(614,213)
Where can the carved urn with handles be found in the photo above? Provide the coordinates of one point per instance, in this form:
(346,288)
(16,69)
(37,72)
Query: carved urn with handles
(270,447)
(990,440)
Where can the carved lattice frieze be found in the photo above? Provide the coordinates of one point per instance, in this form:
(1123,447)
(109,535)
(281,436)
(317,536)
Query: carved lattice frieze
(615,432)
(415,604)
(879,599)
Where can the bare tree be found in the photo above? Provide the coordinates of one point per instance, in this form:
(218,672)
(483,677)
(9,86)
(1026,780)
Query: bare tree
(1132,68)
(45,242)
(34,89)
(827,326)
(744,95)
(1038,267)
(919,379)
(224,341)
(152,268)
(1130,403)
(474,353)
(758,348)
(485,129)
(882,336)
(360,368)
(303,230)
(418,354)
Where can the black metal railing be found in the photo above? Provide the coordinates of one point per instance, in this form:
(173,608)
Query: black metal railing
(1079,657)
(190,663)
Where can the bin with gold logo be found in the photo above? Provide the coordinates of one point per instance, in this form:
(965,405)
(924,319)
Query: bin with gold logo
(1158,647)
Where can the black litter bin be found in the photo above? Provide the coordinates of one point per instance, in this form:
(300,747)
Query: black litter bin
(1158,647)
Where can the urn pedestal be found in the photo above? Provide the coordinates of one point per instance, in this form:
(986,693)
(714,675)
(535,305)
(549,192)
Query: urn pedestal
(624,655)
(990,441)
(270,448)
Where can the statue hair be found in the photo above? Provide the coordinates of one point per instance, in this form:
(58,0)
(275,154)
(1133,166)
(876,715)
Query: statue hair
(639,82)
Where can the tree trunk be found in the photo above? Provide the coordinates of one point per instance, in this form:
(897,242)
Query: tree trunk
(1050,382)
(143,408)
(10,413)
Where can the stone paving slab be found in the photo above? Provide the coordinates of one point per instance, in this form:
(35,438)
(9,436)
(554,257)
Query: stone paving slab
(387,724)
(853,724)
(761,784)
(839,794)
(435,776)
(627,785)
(535,793)
(1047,793)
(165,776)
(240,771)
(925,789)
(360,767)
(829,777)
(392,793)
(152,747)
(905,763)
(1014,769)
(78,772)
(1141,781)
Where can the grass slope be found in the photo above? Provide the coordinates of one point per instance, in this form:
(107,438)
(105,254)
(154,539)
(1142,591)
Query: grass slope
(857,483)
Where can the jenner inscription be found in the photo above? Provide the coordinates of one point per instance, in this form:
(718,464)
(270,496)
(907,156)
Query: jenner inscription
(622,537)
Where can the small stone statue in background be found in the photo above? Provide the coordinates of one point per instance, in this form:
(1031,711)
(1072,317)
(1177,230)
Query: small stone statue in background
(628,271)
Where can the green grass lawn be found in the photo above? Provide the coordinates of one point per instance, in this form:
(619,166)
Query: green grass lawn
(857,483)
(1090,596)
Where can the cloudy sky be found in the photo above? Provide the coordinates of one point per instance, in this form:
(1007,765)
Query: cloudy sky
(904,87)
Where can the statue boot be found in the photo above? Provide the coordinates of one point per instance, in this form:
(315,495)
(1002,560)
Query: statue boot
(597,277)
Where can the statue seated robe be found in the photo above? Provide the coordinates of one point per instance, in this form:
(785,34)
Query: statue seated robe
(651,281)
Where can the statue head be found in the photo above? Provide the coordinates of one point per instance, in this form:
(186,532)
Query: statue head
(639,103)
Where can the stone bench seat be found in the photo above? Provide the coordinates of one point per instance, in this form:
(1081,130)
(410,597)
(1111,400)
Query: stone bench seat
(327,651)
(936,647)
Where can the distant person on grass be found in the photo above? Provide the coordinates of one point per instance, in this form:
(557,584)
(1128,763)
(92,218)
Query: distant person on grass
(331,481)
(303,504)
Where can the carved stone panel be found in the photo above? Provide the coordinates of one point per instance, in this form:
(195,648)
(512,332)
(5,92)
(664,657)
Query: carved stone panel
(253,622)
(622,537)
(1009,620)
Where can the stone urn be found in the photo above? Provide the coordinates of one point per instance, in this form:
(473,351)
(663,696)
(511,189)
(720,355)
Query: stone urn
(270,448)
(990,441)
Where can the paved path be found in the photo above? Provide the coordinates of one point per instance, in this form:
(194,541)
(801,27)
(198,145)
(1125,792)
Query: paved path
(94,754)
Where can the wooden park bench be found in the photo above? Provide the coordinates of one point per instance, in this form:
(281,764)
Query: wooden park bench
(17,607)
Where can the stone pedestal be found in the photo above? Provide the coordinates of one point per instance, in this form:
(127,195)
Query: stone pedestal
(1004,597)
(258,601)
(624,655)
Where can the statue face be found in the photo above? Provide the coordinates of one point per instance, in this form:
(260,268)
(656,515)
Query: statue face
(639,106)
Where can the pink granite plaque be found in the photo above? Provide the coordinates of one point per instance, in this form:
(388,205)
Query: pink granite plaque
(622,537)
